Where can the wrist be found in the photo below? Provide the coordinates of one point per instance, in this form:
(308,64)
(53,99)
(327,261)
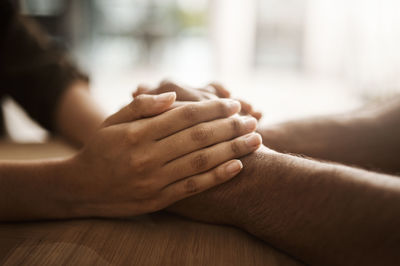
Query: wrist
(244,199)
(265,166)
(68,188)
(277,182)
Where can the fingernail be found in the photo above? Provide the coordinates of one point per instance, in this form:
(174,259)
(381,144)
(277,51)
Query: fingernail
(250,123)
(165,97)
(253,140)
(234,167)
(234,106)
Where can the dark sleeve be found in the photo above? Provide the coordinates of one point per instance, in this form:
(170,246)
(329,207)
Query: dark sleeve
(34,71)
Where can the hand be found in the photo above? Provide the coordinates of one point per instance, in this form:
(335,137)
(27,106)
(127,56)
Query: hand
(212,91)
(144,159)
(220,204)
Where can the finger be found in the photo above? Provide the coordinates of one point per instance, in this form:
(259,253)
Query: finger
(210,89)
(199,183)
(220,90)
(141,89)
(186,94)
(181,93)
(204,135)
(205,159)
(142,106)
(206,94)
(180,103)
(189,115)
(256,115)
(246,107)
(177,104)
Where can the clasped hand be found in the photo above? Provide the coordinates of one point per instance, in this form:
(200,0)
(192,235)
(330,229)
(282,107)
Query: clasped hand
(148,156)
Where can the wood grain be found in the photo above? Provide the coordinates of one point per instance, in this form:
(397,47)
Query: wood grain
(156,239)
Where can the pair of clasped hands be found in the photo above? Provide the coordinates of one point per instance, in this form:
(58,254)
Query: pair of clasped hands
(169,143)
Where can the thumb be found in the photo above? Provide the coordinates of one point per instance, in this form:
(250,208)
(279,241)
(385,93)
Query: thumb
(142,106)
(141,89)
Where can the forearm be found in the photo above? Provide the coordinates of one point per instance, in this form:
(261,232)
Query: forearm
(368,138)
(320,213)
(36,190)
(326,214)
(78,116)
(329,138)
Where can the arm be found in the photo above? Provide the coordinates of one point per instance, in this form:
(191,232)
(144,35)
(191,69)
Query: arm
(37,73)
(368,138)
(142,159)
(78,116)
(31,189)
(323,214)
(35,189)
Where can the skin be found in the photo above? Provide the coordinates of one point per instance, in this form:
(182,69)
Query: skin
(322,213)
(78,116)
(129,165)
(367,138)
(185,93)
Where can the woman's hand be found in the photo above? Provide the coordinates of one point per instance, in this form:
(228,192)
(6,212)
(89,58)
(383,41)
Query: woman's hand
(145,158)
(212,91)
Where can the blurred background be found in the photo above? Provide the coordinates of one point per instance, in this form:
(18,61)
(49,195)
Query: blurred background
(289,58)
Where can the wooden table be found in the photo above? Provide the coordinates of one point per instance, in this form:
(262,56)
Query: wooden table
(156,239)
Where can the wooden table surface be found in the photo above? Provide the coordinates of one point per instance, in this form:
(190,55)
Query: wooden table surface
(156,239)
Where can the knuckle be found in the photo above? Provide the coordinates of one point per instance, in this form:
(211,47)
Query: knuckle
(200,162)
(190,186)
(218,176)
(132,135)
(235,148)
(235,125)
(201,133)
(140,164)
(222,108)
(190,112)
